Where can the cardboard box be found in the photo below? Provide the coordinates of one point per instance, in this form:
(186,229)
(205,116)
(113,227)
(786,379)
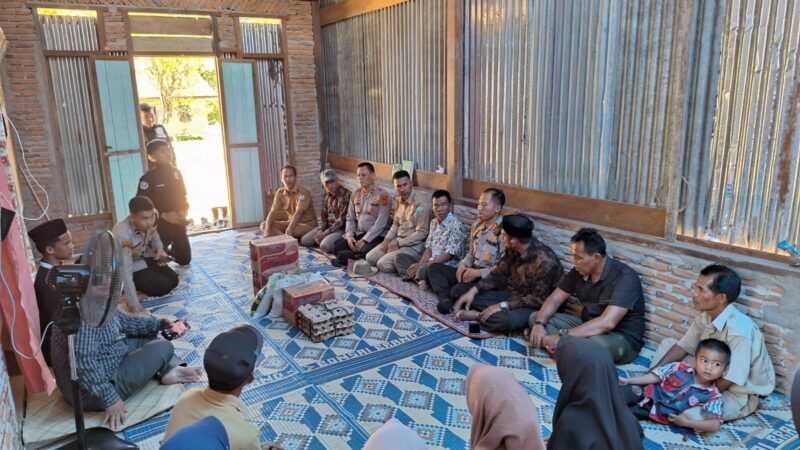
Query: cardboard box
(260,279)
(271,255)
(305,294)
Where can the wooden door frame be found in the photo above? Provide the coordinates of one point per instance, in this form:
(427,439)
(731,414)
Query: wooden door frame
(228,146)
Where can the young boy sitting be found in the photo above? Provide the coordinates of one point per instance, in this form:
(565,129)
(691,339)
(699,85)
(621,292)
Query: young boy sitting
(673,388)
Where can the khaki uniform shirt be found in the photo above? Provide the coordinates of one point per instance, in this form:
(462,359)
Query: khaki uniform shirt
(287,202)
(368,212)
(412,221)
(196,404)
(751,370)
(486,246)
(136,245)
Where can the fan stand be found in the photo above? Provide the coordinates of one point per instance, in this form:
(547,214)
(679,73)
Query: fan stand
(95,438)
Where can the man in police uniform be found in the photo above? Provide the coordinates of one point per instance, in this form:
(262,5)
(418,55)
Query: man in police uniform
(153,130)
(367,218)
(163,185)
(410,226)
(486,248)
(292,211)
(54,242)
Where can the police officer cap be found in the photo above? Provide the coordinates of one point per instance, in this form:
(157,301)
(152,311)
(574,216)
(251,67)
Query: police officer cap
(231,357)
(145,107)
(156,144)
(517,225)
(48,232)
(327,175)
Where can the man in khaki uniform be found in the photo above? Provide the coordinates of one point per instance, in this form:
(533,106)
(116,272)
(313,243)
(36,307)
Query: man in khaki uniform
(292,211)
(750,373)
(412,218)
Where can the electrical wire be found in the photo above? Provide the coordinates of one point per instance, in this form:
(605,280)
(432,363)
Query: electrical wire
(19,212)
(14,308)
(28,175)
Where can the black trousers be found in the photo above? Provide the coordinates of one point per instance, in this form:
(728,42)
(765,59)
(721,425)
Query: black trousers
(503,320)
(156,280)
(175,235)
(343,252)
(443,283)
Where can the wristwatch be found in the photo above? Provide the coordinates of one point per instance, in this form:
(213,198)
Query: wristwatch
(563,331)
(504,305)
(539,322)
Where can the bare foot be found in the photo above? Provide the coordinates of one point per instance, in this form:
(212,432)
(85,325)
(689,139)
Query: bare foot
(181,374)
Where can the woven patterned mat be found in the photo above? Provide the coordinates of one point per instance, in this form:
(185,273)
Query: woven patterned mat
(426,301)
(399,363)
(49,418)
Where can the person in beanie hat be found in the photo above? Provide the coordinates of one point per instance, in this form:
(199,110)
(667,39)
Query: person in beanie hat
(229,362)
(334,214)
(517,286)
(54,242)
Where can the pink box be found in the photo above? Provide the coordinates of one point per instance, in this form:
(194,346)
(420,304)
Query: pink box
(303,294)
(260,279)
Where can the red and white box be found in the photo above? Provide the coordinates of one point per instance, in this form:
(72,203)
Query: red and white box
(271,255)
(304,294)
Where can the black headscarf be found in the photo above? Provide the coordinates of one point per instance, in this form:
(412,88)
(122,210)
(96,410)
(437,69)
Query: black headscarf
(590,413)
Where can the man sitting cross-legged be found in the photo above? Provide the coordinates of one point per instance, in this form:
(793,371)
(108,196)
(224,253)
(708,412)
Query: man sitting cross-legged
(750,373)
(486,248)
(517,285)
(612,298)
(144,261)
(292,211)
(367,217)
(334,214)
(229,362)
(444,245)
(116,360)
(412,219)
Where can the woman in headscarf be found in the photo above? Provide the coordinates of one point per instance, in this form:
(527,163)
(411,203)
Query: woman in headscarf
(393,435)
(589,413)
(503,415)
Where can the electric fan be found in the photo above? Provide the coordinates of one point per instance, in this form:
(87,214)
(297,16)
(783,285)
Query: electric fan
(89,294)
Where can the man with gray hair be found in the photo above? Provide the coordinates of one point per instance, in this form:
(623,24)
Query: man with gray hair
(334,214)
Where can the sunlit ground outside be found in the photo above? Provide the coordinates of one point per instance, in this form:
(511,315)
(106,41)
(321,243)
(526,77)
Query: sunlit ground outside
(202,164)
(183,94)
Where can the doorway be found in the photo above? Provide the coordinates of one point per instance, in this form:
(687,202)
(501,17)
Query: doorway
(184,95)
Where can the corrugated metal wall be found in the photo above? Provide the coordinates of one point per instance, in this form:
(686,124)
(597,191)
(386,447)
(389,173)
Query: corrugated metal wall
(264,38)
(572,96)
(384,81)
(69,33)
(72,89)
(743,189)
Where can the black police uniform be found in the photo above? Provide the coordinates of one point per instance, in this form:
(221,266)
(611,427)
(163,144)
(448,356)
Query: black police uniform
(164,186)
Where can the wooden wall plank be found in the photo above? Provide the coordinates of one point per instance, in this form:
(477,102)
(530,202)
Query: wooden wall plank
(422,178)
(172,45)
(352,8)
(623,216)
(170,25)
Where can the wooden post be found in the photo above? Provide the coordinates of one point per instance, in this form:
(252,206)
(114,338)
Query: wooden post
(455,97)
(320,80)
(677,113)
